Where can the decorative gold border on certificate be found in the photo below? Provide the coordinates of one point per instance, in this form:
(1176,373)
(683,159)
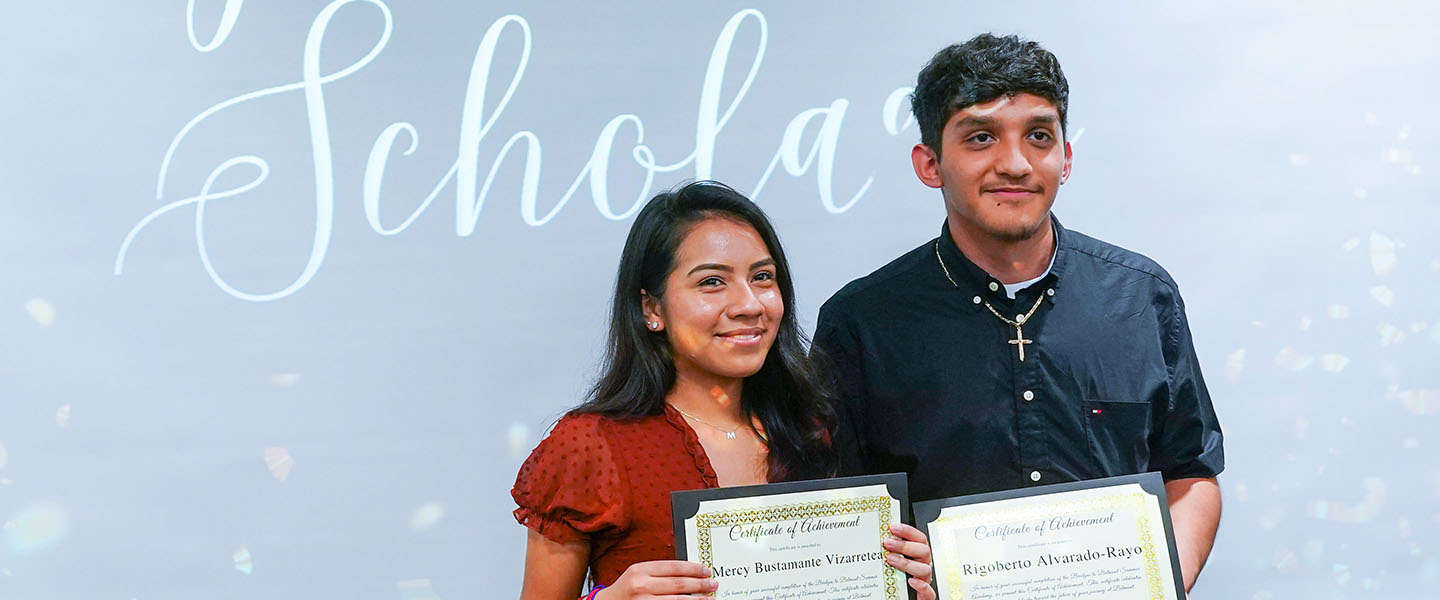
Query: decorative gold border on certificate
(1135,500)
(790,512)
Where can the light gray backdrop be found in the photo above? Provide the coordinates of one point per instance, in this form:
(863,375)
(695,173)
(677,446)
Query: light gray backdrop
(233,366)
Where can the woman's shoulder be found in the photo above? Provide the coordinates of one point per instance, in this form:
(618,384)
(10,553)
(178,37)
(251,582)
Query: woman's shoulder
(593,429)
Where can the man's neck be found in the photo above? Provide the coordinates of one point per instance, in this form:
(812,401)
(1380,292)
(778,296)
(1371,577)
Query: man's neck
(1010,261)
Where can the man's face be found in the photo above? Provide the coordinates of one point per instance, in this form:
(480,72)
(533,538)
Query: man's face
(1000,165)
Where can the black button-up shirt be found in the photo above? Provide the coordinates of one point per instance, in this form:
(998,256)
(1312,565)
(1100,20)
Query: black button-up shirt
(932,385)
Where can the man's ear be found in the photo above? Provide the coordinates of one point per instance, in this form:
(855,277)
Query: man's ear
(651,307)
(927,165)
(1065,173)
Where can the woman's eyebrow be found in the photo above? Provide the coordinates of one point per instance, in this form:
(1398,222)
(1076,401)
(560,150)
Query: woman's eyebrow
(711,266)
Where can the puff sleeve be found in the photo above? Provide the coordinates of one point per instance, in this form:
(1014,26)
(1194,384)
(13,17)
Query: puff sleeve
(570,487)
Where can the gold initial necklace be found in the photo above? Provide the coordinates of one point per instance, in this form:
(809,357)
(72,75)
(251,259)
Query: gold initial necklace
(729,433)
(1018,322)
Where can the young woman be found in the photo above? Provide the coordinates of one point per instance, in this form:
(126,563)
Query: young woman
(705,383)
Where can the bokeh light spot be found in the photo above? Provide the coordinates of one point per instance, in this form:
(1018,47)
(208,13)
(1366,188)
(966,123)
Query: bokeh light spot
(1235,365)
(278,461)
(243,563)
(1291,360)
(1390,335)
(518,439)
(1382,254)
(1383,295)
(36,529)
(427,515)
(1334,363)
(1284,560)
(416,589)
(283,380)
(41,311)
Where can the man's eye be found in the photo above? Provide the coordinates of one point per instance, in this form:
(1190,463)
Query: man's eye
(1043,136)
(982,138)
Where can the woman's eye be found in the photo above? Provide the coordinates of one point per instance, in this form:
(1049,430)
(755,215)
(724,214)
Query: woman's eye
(711,281)
(765,276)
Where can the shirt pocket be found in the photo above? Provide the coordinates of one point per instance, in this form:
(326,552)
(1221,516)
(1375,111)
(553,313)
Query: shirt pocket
(1118,434)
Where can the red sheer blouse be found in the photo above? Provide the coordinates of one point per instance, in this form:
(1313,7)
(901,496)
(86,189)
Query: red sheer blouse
(610,481)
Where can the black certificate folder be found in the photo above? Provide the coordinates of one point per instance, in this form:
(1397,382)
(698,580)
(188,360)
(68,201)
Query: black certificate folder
(798,538)
(1056,535)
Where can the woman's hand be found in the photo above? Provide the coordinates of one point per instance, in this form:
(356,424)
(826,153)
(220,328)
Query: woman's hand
(663,580)
(910,552)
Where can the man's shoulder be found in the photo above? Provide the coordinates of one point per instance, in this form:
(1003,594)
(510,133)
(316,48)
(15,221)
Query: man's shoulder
(881,285)
(1106,255)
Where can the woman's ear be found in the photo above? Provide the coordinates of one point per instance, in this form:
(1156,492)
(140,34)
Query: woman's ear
(651,307)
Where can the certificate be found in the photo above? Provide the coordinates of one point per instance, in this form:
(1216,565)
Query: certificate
(797,540)
(1105,538)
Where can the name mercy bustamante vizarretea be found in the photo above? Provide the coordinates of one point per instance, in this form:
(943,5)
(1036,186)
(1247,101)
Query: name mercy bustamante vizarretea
(791,529)
(790,565)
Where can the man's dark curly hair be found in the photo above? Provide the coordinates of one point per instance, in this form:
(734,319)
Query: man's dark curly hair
(980,70)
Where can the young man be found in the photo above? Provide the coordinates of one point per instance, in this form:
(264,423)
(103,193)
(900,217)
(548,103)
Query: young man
(1009,351)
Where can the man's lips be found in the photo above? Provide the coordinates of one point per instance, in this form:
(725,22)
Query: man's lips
(1011,191)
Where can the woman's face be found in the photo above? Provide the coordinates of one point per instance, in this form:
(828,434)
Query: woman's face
(722,303)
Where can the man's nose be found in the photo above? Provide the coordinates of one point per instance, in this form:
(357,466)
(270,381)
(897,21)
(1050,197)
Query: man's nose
(1013,162)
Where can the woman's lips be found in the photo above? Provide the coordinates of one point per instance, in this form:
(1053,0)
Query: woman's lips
(743,337)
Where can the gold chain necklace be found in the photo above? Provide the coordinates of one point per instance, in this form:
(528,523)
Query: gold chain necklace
(729,433)
(1019,320)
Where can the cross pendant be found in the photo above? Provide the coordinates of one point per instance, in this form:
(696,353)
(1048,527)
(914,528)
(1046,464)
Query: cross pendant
(1019,342)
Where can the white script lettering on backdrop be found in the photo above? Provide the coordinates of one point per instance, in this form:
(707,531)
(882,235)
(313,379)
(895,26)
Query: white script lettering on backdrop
(476,123)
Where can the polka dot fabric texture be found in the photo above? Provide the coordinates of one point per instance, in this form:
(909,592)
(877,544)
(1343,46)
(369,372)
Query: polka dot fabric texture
(609,481)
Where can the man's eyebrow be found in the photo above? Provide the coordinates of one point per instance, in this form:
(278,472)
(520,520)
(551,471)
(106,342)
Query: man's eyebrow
(974,122)
(1044,120)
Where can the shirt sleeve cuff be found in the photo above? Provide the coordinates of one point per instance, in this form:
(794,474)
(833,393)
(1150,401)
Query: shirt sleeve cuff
(554,530)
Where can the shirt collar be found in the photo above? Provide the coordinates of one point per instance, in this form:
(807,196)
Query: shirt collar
(971,279)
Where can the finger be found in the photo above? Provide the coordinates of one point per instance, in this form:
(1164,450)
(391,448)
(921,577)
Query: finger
(908,533)
(913,550)
(913,567)
(923,591)
(675,568)
(662,586)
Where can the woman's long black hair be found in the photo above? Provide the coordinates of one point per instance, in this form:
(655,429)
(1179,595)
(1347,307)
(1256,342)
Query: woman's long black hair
(791,395)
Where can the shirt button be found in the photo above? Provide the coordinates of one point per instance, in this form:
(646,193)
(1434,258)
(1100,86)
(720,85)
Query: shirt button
(994,287)
(1028,395)
(976,300)
(1034,476)
(1050,292)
